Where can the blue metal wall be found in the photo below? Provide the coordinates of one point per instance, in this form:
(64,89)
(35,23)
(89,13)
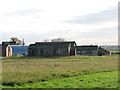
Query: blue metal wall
(19,49)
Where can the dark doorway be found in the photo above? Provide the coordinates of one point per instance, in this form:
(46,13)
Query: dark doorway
(41,52)
(72,52)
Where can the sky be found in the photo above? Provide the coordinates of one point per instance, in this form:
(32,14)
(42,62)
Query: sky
(84,21)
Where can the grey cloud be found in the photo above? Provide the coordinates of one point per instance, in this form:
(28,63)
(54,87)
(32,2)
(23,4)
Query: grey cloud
(35,36)
(23,12)
(96,18)
(29,38)
(98,34)
(103,33)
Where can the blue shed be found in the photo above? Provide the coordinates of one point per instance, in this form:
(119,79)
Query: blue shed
(19,49)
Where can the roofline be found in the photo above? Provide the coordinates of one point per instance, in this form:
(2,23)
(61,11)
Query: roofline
(54,42)
(19,45)
(87,46)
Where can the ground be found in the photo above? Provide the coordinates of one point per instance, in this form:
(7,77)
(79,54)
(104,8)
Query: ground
(62,72)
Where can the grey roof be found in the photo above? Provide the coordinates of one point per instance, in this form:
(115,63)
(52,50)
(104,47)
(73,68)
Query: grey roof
(104,49)
(55,42)
(87,47)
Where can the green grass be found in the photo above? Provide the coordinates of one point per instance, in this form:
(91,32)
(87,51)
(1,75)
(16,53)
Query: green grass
(115,52)
(98,80)
(24,70)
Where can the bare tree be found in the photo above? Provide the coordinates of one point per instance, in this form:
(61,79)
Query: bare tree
(58,40)
(16,41)
(46,40)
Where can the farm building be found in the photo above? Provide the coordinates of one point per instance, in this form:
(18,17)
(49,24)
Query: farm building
(64,49)
(52,49)
(14,46)
(90,50)
(9,50)
(103,51)
(58,48)
(4,49)
(19,49)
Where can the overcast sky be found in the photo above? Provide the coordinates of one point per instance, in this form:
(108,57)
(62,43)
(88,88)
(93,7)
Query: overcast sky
(83,21)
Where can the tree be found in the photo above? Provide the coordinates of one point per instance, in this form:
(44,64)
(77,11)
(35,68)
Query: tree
(46,40)
(16,41)
(58,40)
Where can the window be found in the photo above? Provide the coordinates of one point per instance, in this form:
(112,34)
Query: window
(78,52)
(57,51)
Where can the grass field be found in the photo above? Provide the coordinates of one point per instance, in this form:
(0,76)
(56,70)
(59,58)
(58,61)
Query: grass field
(62,72)
(99,80)
(115,52)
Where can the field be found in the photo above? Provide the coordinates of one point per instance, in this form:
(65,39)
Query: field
(114,52)
(62,72)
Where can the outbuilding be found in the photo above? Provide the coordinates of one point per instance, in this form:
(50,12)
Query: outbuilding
(89,50)
(10,50)
(52,49)
(19,49)
(65,49)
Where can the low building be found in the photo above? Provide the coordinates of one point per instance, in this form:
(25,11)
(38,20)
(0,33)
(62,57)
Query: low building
(14,46)
(52,49)
(89,50)
(103,51)
(64,49)
(5,46)
(6,50)
(68,48)
(19,49)
(10,50)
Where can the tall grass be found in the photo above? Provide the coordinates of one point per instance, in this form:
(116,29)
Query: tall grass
(99,80)
(38,69)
